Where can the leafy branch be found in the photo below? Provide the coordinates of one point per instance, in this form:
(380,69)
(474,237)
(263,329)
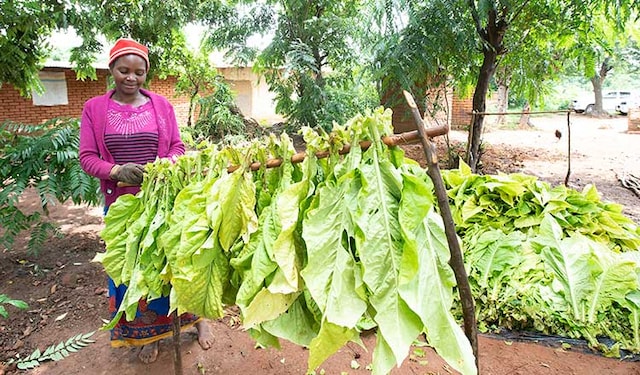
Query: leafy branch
(4,299)
(43,157)
(55,352)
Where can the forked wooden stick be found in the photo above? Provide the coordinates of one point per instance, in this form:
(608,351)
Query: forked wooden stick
(456,261)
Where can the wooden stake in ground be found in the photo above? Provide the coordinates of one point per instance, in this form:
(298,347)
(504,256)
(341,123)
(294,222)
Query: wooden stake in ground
(566,178)
(456,261)
(177,355)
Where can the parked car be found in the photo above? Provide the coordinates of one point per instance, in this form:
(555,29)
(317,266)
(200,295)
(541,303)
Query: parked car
(612,101)
(631,102)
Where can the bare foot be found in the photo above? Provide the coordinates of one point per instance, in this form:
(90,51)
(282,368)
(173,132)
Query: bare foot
(149,353)
(205,336)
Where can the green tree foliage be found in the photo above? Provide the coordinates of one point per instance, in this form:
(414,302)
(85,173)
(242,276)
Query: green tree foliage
(218,116)
(467,40)
(24,28)
(311,59)
(600,47)
(27,24)
(43,158)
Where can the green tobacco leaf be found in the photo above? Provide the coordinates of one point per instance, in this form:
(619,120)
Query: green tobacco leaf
(121,215)
(494,253)
(284,247)
(267,306)
(330,339)
(425,272)
(614,278)
(188,205)
(379,247)
(200,290)
(199,268)
(297,325)
(132,246)
(330,274)
(237,198)
(254,264)
(632,302)
(506,187)
(385,359)
(570,264)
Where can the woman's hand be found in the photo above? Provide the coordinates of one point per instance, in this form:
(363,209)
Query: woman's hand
(130,173)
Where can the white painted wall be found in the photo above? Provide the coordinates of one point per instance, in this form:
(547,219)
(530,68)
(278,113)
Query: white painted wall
(252,94)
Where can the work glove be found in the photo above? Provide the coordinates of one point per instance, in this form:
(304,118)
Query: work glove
(129,173)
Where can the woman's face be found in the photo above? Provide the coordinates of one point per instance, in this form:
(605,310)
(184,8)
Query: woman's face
(129,73)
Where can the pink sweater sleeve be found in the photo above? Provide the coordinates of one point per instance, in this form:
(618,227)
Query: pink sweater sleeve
(176,146)
(89,152)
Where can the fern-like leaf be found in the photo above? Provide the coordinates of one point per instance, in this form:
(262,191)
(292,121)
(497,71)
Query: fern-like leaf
(42,157)
(55,352)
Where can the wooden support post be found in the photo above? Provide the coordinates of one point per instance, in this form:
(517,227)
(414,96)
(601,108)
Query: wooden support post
(456,261)
(177,354)
(566,178)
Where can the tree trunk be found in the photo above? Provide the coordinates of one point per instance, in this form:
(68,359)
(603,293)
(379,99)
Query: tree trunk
(597,81)
(525,118)
(492,35)
(479,105)
(192,104)
(503,101)
(503,80)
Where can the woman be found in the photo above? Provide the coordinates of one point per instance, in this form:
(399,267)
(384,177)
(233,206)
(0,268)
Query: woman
(120,132)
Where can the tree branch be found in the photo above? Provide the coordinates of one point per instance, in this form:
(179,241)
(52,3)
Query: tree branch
(476,19)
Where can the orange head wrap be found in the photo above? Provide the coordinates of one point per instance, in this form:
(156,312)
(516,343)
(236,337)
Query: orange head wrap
(126,46)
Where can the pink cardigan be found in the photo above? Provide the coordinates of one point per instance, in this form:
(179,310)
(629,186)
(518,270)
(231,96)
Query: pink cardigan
(96,160)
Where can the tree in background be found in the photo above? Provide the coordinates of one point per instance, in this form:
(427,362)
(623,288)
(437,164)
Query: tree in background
(467,40)
(310,62)
(599,47)
(533,65)
(25,26)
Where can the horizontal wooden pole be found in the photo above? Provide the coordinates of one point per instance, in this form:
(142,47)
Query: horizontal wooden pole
(514,113)
(390,140)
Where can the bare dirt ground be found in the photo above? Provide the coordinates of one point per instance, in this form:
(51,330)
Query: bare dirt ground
(66,293)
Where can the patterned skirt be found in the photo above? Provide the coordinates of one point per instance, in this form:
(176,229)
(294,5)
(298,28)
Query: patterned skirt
(152,322)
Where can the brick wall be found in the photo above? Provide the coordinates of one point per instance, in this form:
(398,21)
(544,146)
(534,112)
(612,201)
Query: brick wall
(20,109)
(166,88)
(457,117)
(460,113)
(16,108)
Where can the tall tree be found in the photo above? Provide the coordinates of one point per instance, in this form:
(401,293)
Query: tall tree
(599,47)
(467,39)
(310,59)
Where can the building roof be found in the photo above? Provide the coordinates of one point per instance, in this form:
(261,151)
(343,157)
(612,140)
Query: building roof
(68,65)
